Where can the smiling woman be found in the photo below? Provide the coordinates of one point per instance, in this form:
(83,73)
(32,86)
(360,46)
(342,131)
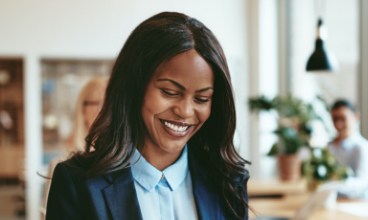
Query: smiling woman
(162,145)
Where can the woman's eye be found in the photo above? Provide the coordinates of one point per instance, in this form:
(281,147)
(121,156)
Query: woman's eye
(202,99)
(169,92)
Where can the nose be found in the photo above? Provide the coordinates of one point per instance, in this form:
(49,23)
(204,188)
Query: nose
(184,108)
(339,124)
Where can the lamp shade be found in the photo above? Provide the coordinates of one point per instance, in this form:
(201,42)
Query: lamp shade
(320,60)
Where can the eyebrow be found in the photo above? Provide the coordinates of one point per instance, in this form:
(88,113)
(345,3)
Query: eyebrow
(181,86)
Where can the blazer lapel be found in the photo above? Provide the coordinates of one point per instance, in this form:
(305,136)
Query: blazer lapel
(119,199)
(207,201)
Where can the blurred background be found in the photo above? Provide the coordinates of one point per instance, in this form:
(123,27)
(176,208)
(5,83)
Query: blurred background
(49,50)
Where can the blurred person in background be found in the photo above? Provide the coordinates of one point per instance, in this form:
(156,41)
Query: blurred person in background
(88,105)
(350,148)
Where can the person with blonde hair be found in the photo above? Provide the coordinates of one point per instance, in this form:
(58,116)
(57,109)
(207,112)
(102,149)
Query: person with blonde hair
(88,105)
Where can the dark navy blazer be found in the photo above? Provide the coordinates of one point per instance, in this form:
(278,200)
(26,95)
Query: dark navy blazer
(113,196)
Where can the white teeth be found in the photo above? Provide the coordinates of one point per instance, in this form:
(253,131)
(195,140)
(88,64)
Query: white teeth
(176,128)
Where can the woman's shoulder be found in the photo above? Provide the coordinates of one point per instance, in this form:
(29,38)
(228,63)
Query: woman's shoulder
(73,166)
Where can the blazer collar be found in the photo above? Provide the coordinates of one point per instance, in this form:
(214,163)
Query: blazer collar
(115,197)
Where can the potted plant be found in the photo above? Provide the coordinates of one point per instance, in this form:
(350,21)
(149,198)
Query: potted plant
(294,117)
(322,167)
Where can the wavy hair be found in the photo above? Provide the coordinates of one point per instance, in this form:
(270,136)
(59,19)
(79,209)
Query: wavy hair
(119,127)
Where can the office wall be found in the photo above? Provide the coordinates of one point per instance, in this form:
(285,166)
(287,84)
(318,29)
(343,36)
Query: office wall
(342,42)
(36,29)
(98,28)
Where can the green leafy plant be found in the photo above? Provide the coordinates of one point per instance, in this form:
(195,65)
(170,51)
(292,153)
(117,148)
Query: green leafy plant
(294,129)
(294,117)
(321,167)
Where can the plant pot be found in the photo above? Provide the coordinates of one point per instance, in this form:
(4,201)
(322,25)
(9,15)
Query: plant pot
(289,167)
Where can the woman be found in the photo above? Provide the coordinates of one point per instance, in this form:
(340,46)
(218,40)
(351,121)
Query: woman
(88,105)
(162,145)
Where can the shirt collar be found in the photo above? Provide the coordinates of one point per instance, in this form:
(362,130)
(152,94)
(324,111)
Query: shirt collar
(350,141)
(148,176)
(176,173)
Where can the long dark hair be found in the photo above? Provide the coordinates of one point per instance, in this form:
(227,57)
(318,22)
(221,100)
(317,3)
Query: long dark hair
(119,127)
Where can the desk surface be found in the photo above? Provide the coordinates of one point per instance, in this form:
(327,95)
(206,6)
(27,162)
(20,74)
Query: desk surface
(287,207)
(293,198)
(275,187)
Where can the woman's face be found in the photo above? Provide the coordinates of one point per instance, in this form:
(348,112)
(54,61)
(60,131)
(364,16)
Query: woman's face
(177,103)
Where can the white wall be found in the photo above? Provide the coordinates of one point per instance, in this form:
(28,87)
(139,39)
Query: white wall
(263,80)
(99,28)
(36,29)
(343,42)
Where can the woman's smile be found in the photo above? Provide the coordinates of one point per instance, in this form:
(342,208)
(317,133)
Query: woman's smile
(176,129)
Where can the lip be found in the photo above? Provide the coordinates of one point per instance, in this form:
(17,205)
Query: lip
(175,128)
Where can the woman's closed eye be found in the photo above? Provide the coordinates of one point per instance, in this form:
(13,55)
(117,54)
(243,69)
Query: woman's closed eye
(202,99)
(170,93)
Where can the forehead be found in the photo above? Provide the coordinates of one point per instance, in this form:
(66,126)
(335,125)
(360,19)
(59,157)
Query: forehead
(342,111)
(187,67)
(97,91)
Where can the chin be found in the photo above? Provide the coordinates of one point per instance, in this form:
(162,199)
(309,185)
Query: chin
(174,149)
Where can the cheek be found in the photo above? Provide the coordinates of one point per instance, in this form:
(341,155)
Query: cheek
(338,124)
(90,115)
(351,120)
(204,113)
(343,123)
(153,104)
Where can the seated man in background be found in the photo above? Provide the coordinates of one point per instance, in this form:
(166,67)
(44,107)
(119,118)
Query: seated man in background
(350,148)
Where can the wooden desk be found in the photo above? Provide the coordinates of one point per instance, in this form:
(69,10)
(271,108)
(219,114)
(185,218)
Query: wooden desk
(287,207)
(275,187)
(292,195)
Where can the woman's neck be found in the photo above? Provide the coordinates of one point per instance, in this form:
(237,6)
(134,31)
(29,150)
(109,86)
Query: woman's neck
(160,160)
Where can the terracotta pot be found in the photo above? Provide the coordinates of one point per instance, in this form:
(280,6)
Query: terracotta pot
(289,167)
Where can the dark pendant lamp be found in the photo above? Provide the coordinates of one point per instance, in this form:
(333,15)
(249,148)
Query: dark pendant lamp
(320,60)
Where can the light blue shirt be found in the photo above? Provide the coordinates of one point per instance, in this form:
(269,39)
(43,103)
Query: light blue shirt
(352,152)
(167,194)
